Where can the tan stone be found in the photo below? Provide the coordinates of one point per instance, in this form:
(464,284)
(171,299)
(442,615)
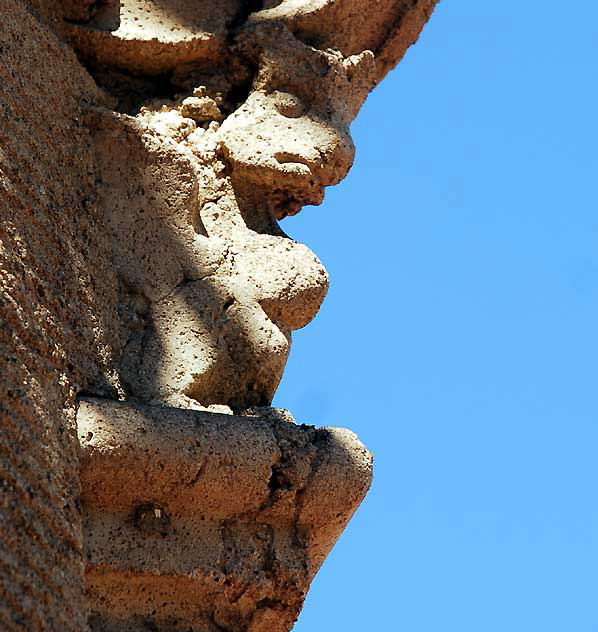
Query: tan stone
(352,26)
(59,326)
(194,520)
(142,262)
(211,301)
(150,37)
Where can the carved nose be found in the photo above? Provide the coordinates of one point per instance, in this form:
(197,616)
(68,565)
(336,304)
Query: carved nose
(336,157)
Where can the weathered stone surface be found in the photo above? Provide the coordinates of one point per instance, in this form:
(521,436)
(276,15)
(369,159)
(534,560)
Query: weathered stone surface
(142,180)
(148,37)
(213,286)
(200,521)
(209,302)
(59,328)
(290,138)
(386,29)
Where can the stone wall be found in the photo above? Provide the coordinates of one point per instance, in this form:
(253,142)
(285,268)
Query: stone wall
(57,316)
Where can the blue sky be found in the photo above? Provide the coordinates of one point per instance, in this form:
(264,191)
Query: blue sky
(459,338)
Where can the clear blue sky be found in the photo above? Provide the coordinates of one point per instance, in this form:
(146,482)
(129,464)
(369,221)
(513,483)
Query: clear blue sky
(459,337)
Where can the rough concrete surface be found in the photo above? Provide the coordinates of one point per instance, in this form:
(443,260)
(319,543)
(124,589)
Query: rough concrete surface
(148,151)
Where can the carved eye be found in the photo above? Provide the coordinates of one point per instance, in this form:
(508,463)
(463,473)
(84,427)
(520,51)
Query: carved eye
(288,104)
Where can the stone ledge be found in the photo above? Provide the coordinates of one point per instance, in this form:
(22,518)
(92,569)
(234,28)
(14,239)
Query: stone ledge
(207,522)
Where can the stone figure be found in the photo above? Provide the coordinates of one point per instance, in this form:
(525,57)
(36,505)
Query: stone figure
(148,151)
(212,287)
(192,186)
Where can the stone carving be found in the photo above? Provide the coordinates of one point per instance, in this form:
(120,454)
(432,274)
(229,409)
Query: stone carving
(211,303)
(204,125)
(238,515)
(192,186)
(213,286)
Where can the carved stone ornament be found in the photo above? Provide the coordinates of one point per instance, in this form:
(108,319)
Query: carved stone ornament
(171,137)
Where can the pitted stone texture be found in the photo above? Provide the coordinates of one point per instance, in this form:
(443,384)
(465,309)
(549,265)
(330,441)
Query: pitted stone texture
(225,287)
(214,286)
(150,37)
(210,303)
(290,138)
(199,521)
(59,328)
(182,289)
(332,84)
(153,37)
(387,28)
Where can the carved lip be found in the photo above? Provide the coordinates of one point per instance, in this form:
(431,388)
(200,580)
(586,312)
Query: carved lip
(295,161)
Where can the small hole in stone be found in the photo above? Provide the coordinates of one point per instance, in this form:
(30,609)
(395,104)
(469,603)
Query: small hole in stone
(151,519)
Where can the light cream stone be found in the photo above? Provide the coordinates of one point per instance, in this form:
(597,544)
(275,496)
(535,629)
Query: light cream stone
(211,301)
(387,28)
(193,216)
(143,261)
(201,521)
(192,187)
(144,36)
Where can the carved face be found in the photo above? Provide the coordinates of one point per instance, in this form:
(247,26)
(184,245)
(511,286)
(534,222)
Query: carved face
(274,141)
